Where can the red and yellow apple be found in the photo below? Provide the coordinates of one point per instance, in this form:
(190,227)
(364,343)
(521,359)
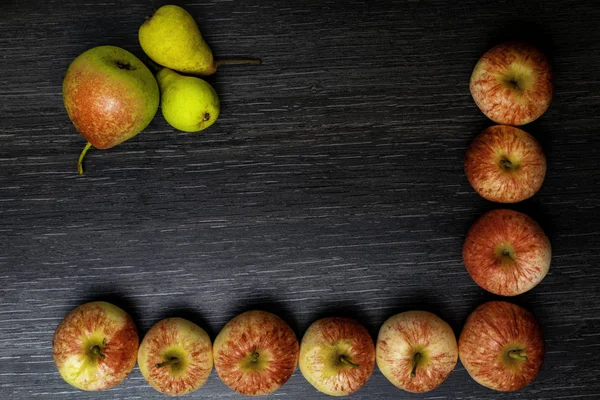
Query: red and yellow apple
(501,346)
(110,96)
(337,356)
(512,83)
(176,356)
(255,353)
(505,164)
(416,351)
(506,252)
(95,346)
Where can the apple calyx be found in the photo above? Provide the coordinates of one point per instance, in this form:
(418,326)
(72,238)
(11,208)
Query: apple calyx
(97,352)
(505,253)
(254,357)
(124,65)
(506,164)
(80,161)
(345,360)
(170,361)
(518,355)
(514,83)
(416,359)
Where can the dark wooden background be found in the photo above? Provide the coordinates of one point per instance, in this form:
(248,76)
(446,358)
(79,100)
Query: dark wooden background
(332,183)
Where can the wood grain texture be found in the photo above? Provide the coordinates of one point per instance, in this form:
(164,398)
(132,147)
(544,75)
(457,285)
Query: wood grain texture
(332,184)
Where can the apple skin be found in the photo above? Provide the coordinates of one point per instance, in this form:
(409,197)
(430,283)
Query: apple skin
(87,331)
(324,342)
(110,95)
(255,353)
(505,164)
(404,335)
(491,332)
(506,252)
(181,340)
(512,83)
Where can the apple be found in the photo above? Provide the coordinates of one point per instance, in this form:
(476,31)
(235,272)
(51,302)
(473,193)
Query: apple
(505,164)
(512,83)
(506,252)
(501,346)
(95,346)
(416,351)
(255,353)
(175,356)
(337,356)
(110,96)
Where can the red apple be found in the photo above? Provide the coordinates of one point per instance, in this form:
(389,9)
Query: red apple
(255,353)
(337,356)
(95,346)
(501,346)
(110,96)
(416,351)
(506,252)
(175,356)
(505,164)
(512,83)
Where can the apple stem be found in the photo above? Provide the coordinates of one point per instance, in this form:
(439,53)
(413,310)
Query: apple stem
(345,360)
(80,161)
(97,353)
(170,361)
(517,355)
(254,356)
(416,359)
(254,61)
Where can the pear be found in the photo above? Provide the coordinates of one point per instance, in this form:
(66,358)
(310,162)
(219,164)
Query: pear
(171,38)
(188,103)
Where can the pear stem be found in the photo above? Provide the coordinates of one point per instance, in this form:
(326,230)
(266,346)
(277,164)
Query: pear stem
(254,61)
(518,355)
(170,361)
(254,356)
(97,353)
(345,360)
(416,359)
(80,161)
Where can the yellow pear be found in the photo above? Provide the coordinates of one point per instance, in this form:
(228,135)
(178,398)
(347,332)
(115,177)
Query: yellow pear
(188,103)
(172,39)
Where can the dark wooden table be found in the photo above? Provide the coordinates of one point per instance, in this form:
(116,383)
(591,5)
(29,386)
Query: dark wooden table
(332,183)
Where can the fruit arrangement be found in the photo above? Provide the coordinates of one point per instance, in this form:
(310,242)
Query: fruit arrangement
(111,96)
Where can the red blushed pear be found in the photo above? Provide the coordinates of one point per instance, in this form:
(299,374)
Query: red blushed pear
(110,96)
(501,346)
(512,83)
(337,356)
(255,353)
(95,346)
(506,252)
(416,351)
(505,164)
(175,356)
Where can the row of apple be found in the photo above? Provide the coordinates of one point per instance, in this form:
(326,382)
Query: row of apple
(111,96)
(507,252)
(96,346)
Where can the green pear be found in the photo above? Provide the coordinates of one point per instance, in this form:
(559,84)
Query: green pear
(110,96)
(171,38)
(188,103)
